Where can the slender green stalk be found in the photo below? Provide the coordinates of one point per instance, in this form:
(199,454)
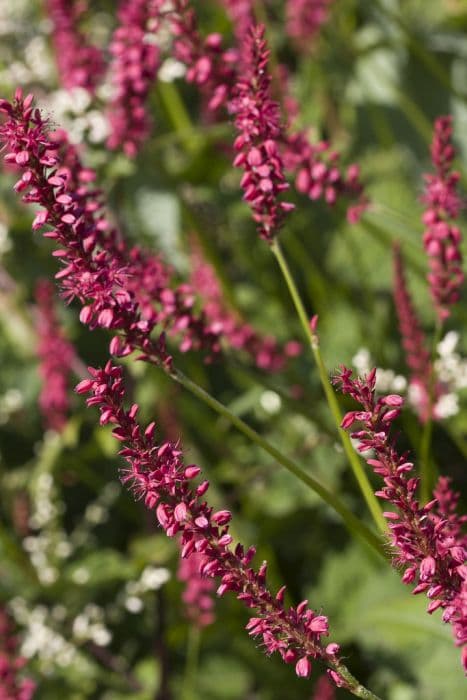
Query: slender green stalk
(312,338)
(427,475)
(192,658)
(353,685)
(354,525)
(179,116)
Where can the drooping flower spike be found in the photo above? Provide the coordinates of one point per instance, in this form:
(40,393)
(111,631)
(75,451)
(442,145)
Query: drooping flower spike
(442,236)
(428,548)
(304,19)
(57,359)
(79,64)
(116,285)
(156,474)
(134,66)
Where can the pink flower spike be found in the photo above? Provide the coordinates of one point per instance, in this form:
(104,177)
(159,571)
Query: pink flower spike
(442,239)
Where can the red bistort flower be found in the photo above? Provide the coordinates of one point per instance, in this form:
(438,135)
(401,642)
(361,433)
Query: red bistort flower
(442,238)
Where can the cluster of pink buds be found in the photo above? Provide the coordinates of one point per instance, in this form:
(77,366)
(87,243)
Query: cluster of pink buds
(304,19)
(431,551)
(134,66)
(57,359)
(257,119)
(209,66)
(442,238)
(12,686)
(79,64)
(198,592)
(224,321)
(157,474)
(319,176)
(241,15)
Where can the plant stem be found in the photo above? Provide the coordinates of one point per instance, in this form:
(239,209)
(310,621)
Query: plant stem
(426,470)
(353,685)
(192,657)
(312,338)
(179,116)
(354,525)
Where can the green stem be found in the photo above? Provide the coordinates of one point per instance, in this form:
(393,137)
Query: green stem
(179,116)
(192,657)
(427,475)
(353,685)
(312,338)
(353,524)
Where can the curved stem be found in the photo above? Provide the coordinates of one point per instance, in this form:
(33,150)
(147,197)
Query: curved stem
(192,656)
(353,524)
(312,338)
(353,685)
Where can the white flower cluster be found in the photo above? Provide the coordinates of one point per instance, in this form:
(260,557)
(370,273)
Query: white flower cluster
(5,241)
(450,369)
(74,111)
(10,402)
(41,640)
(89,626)
(386,379)
(152,578)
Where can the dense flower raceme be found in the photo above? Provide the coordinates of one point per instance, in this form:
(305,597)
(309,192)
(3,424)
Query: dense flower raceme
(135,61)
(209,66)
(304,18)
(426,539)
(241,15)
(57,359)
(258,121)
(79,63)
(265,350)
(157,474)
(318,174)
(12,686)
(98,269)
(198,591)
(442,238)
(417,356)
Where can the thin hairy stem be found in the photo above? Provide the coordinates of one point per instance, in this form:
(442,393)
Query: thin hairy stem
(312,338)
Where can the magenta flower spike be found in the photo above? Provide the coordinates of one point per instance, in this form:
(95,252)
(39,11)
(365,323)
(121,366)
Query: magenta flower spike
(79,63)
(156,474)
(209,66)
(198,593)
(427,544)
(57,359)
(257,119)
(12,685)
(240,335)
(417,356)
(318,174)
(442,237)
(117,287)
(134,66)
(241,14)
(304,19)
